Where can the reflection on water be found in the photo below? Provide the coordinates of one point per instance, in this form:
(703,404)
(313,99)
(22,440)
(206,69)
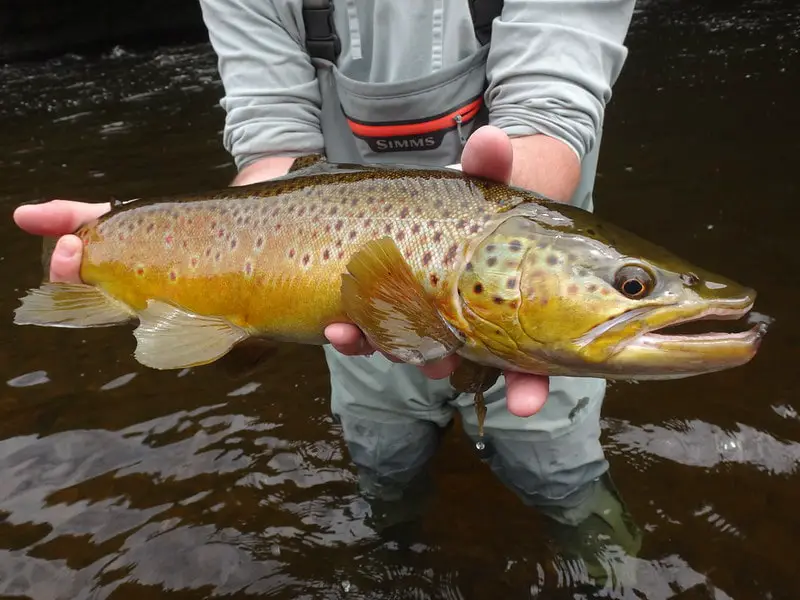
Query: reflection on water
(119,482)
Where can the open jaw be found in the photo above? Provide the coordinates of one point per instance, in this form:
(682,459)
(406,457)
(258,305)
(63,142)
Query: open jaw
(660,336)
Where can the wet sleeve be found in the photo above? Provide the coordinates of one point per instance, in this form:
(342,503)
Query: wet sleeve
(272,100)
(552,64)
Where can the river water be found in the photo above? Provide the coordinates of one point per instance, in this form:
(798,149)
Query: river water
(121,482)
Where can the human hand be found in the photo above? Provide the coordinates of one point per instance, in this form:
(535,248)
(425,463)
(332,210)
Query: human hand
(488,153)
(60,217)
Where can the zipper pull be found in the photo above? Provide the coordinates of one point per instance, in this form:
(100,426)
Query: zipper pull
(461,135)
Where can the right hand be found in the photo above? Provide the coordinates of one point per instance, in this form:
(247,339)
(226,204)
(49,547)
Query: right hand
(60,217)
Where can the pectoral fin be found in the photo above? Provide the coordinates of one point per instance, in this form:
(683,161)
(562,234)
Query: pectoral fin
(172,338)
(382,296)
(71,305)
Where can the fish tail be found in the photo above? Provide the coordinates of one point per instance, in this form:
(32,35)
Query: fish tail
(70,305)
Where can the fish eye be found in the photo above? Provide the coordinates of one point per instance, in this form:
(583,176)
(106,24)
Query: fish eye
(633,282)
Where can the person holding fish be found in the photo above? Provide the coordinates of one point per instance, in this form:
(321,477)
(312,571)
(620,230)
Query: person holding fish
(511,91)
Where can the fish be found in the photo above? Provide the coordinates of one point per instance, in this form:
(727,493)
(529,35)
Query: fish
(426,261)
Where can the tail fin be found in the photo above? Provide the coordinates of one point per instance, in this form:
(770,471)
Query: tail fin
(71,305)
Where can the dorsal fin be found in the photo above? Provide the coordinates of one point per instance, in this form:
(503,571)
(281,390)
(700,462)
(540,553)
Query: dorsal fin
(308,163)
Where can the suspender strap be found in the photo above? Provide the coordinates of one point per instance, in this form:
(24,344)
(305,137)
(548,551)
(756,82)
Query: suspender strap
(321,39)
(483,14)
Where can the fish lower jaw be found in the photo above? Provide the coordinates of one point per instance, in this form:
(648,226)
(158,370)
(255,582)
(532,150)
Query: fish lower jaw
(751,337)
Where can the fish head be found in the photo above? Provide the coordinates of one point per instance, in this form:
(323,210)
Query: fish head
(555,289)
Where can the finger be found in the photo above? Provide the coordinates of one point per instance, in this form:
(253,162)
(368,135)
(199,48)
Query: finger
(65,264)
(348,339)
(488,153)
(525,394)
(57,217)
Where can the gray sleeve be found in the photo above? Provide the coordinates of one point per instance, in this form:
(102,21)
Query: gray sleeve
(272,100)
(552,64)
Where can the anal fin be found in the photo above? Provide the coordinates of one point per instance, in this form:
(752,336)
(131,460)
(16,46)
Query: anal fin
(71,305)
(169,337)
(382,296)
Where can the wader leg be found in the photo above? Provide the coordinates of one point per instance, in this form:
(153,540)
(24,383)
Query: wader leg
(392,420)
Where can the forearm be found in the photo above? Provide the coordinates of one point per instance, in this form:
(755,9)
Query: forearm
(546,166)
(263,169)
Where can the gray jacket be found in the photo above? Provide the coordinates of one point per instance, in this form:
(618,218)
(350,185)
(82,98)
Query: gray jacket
(551,65)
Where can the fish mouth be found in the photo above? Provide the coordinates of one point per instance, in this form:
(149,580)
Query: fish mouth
(660,352)
(661,335)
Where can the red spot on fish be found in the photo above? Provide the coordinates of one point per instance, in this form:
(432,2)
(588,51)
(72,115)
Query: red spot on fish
(434,279)
(333,210)
(326,255)
(403,212)
(173,276)
(352,235)
(140,271)
(277,226)
(513,304)
(341,254)
(388,228)
(572,289)
(248,268)
(426,258)
(194,261)
(604,291)
(339,225)
(474,229)
(302,211)
(415,228)
(306,258)
(291,253)
(328,228)
(437,236)
(150,228)
(168,240)
(220,233)
(259,242)
(121,237)
(208,251)
(401,235)
(368,222)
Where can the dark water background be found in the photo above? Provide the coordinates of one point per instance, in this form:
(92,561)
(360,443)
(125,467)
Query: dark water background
(120,482)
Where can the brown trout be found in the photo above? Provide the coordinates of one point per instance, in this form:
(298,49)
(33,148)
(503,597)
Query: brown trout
(427,262)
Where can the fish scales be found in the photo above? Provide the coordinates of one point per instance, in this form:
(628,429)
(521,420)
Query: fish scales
(290,242)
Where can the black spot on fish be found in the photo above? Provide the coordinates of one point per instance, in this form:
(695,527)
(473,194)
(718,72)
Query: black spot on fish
(497,300)
(478,288)
(515,245)
(552,260)
(511,283)
(491,261)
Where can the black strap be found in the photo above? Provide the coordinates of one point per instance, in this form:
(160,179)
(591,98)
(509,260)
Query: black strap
(322,41)
(483,14)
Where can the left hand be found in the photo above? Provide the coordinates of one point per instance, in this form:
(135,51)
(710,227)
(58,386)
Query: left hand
(488,153)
